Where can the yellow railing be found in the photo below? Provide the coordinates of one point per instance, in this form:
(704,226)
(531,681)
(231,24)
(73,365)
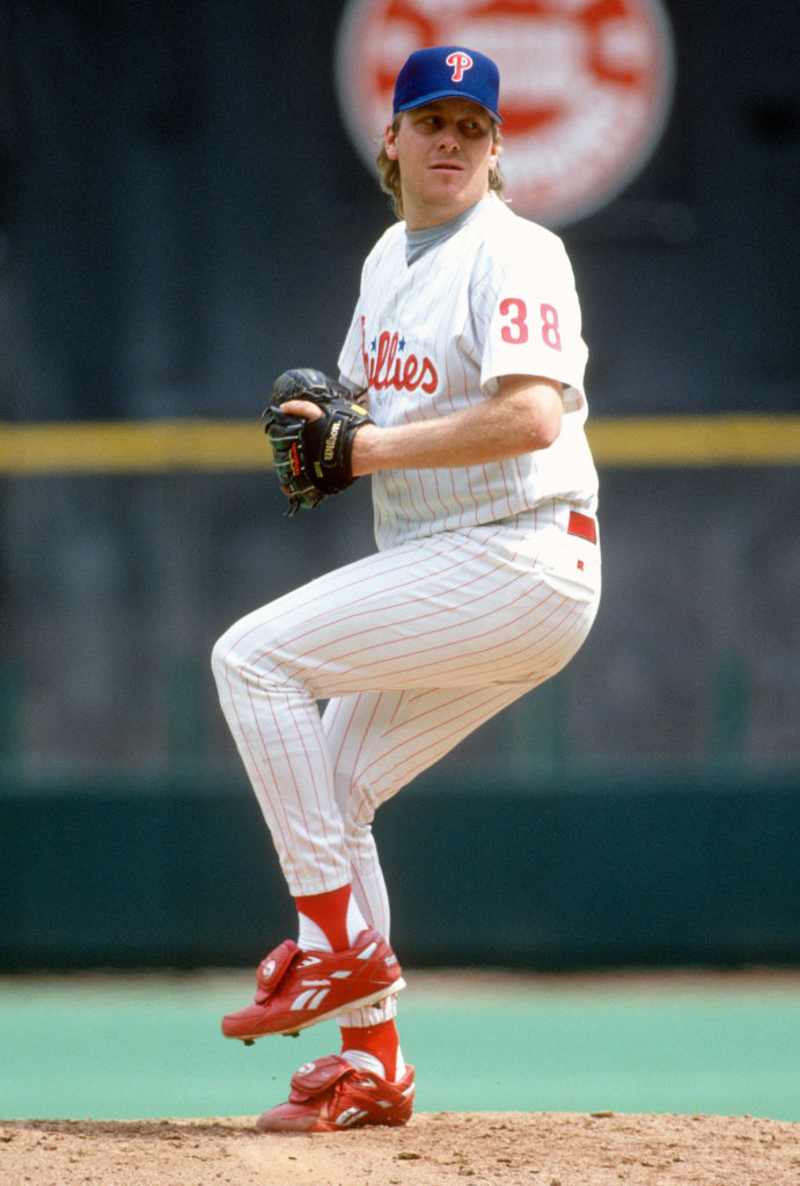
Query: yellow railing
(164,446)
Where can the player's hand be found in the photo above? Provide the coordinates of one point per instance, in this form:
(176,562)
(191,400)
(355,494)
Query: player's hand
(302,408)
(362,445)
(312,422)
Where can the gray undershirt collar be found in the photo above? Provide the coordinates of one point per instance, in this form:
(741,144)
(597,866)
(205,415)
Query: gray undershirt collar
(418,243)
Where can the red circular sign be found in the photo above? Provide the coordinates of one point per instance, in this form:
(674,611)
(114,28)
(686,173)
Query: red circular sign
(585,87)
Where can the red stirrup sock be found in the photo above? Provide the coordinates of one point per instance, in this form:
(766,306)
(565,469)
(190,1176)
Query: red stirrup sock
(335,915)
(380,1041)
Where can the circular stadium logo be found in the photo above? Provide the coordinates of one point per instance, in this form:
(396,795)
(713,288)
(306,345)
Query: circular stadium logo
(585,87)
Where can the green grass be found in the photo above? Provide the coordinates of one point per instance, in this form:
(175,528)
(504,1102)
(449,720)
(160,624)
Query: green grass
(150,1046)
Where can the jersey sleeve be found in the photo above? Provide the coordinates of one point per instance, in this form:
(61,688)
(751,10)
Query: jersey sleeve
(533,320)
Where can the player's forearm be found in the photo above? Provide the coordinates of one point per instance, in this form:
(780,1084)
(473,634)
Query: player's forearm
(522,418)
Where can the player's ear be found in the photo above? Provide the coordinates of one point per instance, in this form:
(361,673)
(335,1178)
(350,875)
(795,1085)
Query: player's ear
(390,143)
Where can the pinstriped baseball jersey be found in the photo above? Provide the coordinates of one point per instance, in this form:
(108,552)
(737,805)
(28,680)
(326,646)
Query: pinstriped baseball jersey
(432,337)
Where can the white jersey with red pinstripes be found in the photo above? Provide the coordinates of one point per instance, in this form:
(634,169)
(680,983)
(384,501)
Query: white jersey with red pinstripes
(497,297)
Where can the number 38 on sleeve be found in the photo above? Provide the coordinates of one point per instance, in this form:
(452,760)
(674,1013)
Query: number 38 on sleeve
(516,331)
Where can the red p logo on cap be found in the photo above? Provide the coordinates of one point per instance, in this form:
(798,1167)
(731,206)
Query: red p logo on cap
(460,62)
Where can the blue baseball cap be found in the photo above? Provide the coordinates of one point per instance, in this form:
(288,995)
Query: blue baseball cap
(448,71)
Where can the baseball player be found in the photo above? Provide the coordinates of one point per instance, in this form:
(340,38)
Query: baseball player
(461,393)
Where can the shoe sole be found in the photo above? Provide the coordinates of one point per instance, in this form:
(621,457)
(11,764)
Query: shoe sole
(292,1032)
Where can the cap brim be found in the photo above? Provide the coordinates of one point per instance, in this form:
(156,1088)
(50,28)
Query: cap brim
(449,94)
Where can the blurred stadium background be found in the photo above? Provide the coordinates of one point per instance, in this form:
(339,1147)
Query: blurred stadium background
(183,217)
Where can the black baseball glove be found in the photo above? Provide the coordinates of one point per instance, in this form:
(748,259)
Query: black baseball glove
(312,458)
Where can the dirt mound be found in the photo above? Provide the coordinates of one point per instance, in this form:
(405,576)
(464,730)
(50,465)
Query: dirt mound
(510,1149)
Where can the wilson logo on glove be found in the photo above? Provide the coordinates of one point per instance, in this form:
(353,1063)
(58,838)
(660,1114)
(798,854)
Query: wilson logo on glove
(330,444)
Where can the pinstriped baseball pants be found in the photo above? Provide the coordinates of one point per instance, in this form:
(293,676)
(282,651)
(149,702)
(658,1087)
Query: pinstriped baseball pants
(413,648)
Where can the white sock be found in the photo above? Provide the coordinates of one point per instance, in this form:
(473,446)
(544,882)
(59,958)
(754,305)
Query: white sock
(311,937)
(356,923)
(365,1061)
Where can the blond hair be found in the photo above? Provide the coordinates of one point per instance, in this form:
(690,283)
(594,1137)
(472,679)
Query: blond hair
(389,170)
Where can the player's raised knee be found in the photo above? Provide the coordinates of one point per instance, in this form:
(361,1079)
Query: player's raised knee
(224,659)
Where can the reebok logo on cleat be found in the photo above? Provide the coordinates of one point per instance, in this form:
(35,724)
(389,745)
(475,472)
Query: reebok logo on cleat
(350,1116)
(309,961)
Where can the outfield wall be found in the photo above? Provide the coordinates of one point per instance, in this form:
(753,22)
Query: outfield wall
(576,871)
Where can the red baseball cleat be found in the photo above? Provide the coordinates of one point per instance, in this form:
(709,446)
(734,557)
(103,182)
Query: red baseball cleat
(300,988)
(330,1094)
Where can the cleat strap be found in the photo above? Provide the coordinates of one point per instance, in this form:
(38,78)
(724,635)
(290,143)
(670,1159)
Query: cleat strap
(273,968)
(315,1077)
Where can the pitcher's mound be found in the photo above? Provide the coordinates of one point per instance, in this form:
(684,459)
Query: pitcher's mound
(510,1148)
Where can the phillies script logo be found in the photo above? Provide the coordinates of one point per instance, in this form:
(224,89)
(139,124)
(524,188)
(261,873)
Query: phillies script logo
(585,86)
(387,364)
(460,62)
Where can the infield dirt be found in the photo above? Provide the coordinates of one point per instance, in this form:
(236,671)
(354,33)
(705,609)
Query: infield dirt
(435,1149)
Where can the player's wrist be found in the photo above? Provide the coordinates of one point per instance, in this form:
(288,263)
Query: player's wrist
(366,456)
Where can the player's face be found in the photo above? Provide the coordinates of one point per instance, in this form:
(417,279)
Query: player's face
(445,151)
